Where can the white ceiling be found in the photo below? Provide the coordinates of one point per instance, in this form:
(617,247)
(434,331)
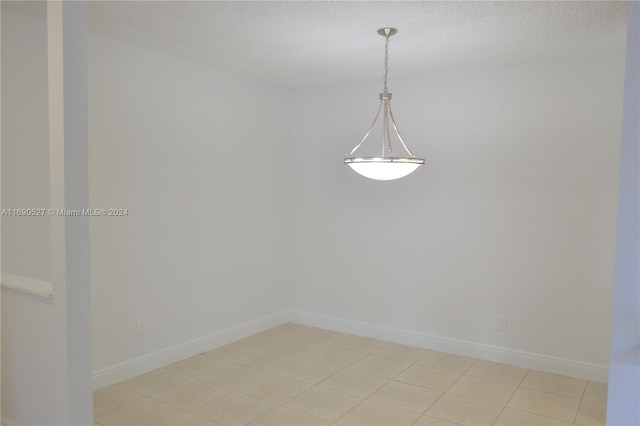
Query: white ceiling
(305,43)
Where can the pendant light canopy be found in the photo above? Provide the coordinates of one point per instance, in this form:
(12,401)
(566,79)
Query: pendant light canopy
(387,166)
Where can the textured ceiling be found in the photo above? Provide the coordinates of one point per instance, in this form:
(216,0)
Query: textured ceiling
(304,43)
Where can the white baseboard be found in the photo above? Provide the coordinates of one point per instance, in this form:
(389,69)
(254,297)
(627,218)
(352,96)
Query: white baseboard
(143,364)
(530,360)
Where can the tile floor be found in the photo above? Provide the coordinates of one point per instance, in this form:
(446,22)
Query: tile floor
(298,375)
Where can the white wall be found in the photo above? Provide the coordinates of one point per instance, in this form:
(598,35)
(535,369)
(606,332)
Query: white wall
(196,156)
(514,212)
(33,328)
(25,169)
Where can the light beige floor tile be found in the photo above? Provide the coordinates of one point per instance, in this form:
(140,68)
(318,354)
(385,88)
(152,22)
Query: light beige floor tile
(283,416)
(432,421)
(511,417)
(191,419)
(545,404)
(408,397)
(234,409)
(373,413)
(195,366)
(274,388)
(280,365)
(554,383)
(465,411)
(289,329)
(112,397)
(354,383)
(189,395)
(358,344)
(143,412)
(320,336)
(498,372)
(232,376)
(293,346)
(591,414)
(595,392)
(399,352)
(379,366)
(421,375)
(446,362)
(265,360)
(232,351)
(261,339)
(153,382)
(324,403)
(483,390)
(335,356)
(308,371)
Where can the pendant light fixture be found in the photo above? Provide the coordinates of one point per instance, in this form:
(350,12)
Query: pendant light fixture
(387,166)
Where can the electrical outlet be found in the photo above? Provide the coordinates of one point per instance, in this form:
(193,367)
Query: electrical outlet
(141,328)
(501,322)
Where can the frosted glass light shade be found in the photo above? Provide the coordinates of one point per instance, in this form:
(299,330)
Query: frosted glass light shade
(384,168)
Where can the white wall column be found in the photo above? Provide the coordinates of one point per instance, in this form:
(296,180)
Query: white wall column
(69,189)
(0,239)
(624,370)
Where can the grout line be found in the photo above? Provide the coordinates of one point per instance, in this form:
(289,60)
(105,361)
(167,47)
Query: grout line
(512,395)
(441,393)
(350,410)
(447,390)
(575,417)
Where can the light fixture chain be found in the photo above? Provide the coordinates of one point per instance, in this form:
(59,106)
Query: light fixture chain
(386,62)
